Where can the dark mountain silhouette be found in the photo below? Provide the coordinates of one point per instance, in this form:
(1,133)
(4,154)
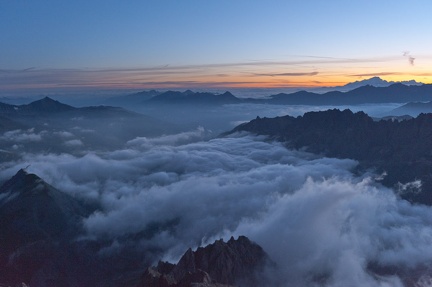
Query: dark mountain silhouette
(37,221)
(132,99)
(401,148)
(236,262)
(106,126)
(189,97)
(16,100)
(47,105)
(395,93)
(33,210)
(392,93)
(43,242)
(43,106)
(7,124)
(376,82)
(413,109)
(40,245)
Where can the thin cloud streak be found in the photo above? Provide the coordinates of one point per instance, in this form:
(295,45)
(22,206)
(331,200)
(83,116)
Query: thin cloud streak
(201,75)
(287,74)
(390,74)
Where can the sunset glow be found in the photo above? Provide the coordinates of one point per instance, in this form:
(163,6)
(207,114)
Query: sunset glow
(145,45)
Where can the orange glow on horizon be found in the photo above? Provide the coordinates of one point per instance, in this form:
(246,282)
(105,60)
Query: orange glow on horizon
(210,77)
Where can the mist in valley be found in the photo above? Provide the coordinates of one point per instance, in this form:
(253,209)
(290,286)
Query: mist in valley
(167,181)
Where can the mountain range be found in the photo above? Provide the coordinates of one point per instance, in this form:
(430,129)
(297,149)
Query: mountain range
(94,126)
(375,82)
(361,93)
(400,149)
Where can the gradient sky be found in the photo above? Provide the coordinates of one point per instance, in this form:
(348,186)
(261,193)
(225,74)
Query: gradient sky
(59,44)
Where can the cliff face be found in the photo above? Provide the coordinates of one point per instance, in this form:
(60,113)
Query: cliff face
(402,149)
(236,262)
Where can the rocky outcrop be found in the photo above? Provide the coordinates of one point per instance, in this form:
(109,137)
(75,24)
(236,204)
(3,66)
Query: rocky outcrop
(233,263)
(400,148)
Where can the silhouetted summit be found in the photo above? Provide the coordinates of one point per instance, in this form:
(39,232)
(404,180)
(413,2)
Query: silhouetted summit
(236,262)
(401,148)
(47,105)
(36,220)
(31,209)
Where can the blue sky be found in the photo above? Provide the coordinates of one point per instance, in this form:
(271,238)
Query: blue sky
(197,43)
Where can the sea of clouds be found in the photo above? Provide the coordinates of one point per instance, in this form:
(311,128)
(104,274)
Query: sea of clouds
(311,214)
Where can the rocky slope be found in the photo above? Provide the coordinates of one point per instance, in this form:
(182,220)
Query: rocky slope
(233,263)
(402,149)
(36,221)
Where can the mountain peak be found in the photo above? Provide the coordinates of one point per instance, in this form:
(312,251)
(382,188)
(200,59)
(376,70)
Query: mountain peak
(48,105)
(31,210)
(378,82)
(21,182)
(220,263)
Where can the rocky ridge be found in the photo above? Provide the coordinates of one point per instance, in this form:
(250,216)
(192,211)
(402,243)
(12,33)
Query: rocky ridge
(232,263)
(401,149)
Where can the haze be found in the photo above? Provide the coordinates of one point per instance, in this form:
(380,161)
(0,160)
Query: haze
(131,132)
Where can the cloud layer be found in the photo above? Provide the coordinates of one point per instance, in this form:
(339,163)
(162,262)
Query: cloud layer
(317,221)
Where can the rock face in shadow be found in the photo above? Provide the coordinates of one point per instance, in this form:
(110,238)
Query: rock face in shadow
(233,263)
(37,221)
(400,148)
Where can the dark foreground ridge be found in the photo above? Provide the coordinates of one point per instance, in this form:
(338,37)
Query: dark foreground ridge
(42,244)
(402,149)
(236,262)
(37,223)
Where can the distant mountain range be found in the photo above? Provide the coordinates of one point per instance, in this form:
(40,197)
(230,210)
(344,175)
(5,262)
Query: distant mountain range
(96,126)
(375,82)
(413,108)
(48,106)
(374,90)
(153,98)
(395,93)
(402,149)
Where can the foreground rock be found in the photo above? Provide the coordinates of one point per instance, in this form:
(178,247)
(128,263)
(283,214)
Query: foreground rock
(234,263)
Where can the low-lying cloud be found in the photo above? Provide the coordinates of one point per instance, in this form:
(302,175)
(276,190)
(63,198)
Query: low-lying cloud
(311,214)
(22,136)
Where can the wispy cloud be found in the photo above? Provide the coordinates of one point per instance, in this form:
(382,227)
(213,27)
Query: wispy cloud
(409,57)
(376,74)
(200,75)
(287,74)
(421,74)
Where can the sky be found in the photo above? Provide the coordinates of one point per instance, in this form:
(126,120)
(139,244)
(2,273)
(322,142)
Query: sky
(57,44)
